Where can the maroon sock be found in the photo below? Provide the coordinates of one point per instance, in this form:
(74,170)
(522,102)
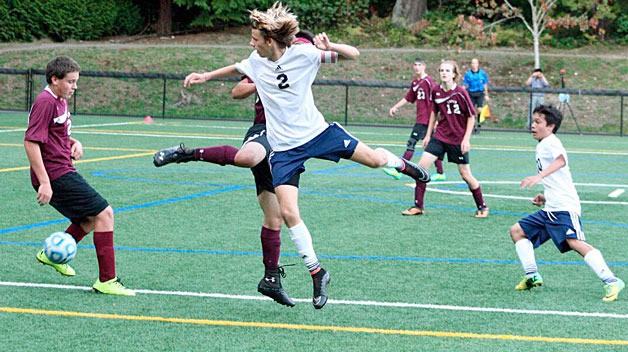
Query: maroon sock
(221,155)
(419,194)
(439,166)
(271,246)
(477,197)
(76,231)
(103,241)
(408,154)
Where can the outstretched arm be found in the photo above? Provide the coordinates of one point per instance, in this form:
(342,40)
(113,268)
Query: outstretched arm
(196,78)
(396,107)
(345,51)
(243,89)
(556,165)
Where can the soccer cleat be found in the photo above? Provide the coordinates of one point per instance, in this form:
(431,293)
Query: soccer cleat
(392,172)
(415,171)
(179,154)
(63,269)
(112,287)
(612,290)
(320,281)
(270,286)
(482,213)
(413,211)
(438,177)
(529,282)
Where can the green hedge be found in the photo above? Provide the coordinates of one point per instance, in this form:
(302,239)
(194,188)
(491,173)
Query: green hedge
(61,20)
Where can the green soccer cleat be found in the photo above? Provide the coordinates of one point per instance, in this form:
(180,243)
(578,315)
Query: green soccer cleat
(529,282)
(438,177)
(63,269)
(612,290)
(392,172)
(112,287)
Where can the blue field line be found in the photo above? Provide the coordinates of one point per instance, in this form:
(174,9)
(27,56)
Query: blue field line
(303,191)
(324,256)
(127,208)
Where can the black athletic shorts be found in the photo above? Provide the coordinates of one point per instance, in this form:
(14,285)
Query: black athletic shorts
(75,199)
(418,133)
(477,98)
(454,153)
(261,171)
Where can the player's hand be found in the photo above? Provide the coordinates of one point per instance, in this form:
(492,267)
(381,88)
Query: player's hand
(465,146)
(193,78)
(393,111)
(322,42)
(44,193)
(76,150)
(426,141)
(530,181)
(539,200)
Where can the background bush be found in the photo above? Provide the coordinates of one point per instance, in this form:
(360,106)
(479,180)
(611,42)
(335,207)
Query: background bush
(61,20)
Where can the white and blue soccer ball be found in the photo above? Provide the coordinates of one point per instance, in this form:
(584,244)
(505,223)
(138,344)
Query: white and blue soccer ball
(60,248)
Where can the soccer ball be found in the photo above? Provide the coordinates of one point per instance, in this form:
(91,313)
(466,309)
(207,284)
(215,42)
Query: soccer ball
(60,248)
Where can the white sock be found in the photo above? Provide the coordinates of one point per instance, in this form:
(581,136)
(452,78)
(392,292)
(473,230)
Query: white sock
(596,262)
(302,239)
(392,159)
(525,251)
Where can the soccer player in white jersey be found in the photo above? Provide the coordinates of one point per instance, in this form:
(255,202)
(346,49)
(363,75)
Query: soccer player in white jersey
(297,131)
(559,220)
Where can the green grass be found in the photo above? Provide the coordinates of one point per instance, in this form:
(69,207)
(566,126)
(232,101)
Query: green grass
(408,268)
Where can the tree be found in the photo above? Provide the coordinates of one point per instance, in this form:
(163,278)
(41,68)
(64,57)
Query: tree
(590,14)
(536,24)
(407,12)
(164,21)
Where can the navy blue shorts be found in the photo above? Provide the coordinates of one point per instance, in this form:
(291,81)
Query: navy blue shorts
(454,153)
(75,199)
(557,225)
(334,143)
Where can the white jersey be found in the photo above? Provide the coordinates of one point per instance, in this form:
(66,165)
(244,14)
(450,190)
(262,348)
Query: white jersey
(560,192)
(285,88)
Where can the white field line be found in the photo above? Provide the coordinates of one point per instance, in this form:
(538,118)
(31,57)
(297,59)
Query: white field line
(158,135)
(78,127)
(431,188)
(338,302)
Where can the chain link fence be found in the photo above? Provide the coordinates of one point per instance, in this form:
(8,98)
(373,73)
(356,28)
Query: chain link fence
(161,95)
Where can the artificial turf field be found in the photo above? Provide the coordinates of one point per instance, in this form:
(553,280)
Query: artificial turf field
(187,239)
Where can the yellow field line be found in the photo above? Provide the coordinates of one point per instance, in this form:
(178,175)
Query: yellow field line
(89,148)
(313,327)
(83,130)
(87,160)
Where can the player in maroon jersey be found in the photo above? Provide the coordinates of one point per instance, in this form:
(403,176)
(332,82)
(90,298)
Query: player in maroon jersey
(451,136)
(420,92)
(50,149)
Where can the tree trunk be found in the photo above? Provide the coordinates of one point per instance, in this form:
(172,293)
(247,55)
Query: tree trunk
(407,12)
(164,22)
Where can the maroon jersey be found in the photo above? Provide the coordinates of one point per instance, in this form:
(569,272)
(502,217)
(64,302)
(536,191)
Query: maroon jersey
(49,124)
(454,108)
(260,117)
(420,92)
